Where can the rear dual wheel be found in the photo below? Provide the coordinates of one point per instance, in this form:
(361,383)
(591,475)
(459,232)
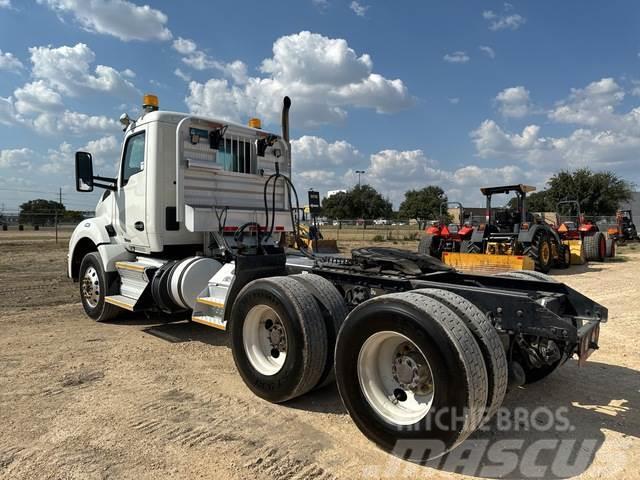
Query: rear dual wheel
(412,374)
(283,331)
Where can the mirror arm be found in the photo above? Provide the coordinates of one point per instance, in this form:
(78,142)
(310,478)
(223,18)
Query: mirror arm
(105,186)
(105,179)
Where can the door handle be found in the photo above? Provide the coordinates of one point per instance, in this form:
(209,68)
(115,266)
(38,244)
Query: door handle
(139,226)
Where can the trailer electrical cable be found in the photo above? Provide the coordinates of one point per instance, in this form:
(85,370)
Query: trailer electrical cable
(295,221)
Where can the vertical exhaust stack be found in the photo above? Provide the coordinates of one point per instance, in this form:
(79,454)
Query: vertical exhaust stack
(285,118)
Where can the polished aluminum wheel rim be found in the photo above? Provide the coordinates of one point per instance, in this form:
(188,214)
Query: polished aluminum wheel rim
(91,287)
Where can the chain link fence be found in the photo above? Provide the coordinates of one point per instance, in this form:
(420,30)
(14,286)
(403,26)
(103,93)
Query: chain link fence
(379,230)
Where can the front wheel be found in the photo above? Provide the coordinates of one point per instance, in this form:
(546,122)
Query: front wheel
(95,285)
(564,256)
(541,252)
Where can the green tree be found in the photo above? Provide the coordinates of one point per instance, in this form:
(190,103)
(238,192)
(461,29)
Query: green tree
(71,216)
(361,202)
(423,204)
(40,212)
(536,202)
(599,193)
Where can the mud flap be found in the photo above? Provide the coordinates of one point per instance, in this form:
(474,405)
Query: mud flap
(588,336)
(487,263)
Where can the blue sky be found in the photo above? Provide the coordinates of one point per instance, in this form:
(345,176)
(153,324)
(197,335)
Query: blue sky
(457,93)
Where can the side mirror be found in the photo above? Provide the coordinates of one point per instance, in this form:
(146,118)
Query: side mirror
(84,172)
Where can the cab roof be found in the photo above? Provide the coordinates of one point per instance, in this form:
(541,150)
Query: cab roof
(175,117)
(520,188)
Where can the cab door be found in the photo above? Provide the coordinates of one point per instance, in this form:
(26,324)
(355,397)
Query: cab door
(131,204)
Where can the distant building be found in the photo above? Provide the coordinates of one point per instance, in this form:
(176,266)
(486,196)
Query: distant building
(331,193)
(633,205)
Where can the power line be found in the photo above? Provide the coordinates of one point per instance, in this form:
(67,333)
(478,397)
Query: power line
(25,190)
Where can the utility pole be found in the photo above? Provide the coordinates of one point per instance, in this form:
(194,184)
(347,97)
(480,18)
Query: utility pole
(59,203)
(360,172)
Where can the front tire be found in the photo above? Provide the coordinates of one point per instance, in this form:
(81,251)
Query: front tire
(541,252)
(95,285)
(564,254)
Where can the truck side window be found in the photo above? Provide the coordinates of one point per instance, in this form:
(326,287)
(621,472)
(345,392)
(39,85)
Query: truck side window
(133,157)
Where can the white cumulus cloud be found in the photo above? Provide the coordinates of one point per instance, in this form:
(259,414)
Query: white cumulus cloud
(119,18)
(36,97)
(105,152)
(323,76)
(9,62)
(7,111)
(74,123)
(68,70)
(514,102)
(17,157)
(199,60)
(592,105)
(312,152)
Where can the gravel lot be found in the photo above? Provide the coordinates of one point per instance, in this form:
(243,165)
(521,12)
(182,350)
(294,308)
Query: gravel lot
(137,398)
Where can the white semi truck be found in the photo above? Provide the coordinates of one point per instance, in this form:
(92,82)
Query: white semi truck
(191,227)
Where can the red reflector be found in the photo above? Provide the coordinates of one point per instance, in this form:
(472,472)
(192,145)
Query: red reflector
(229,229)
(279,228)
(519,257)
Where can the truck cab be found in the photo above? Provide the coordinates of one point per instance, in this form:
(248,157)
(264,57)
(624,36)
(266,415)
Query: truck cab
(179,176)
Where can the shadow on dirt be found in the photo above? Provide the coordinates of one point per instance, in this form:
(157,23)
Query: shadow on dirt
(575,269)
(553,428)
(187,331)
(550,429)
(173,329)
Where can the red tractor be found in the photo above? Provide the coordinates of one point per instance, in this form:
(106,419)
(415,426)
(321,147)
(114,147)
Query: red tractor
(583,235)
(445,237)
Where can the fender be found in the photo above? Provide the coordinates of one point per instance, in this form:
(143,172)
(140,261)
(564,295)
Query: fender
(527,236)
(95,231)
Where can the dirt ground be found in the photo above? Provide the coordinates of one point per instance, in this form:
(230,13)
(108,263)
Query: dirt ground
(137,398)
